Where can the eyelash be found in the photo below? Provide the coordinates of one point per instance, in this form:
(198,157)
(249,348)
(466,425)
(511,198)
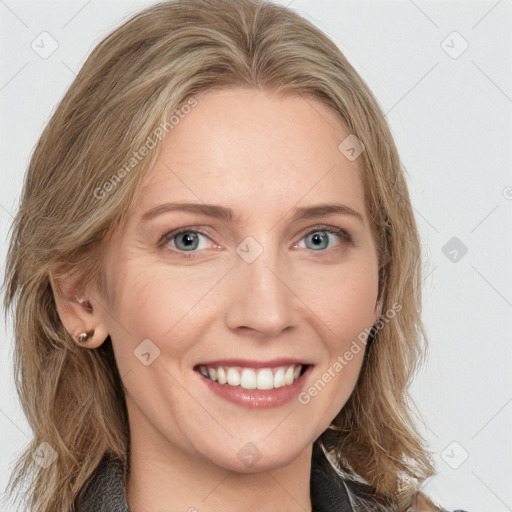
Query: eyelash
(332,230)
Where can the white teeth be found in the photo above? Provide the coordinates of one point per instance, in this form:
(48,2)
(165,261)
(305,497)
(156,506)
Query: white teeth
(249,378)
(221,375)
(265,379)
(288,376)
(233,377)
(279,378)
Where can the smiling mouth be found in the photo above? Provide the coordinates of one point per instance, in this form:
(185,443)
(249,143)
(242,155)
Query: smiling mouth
(253,378)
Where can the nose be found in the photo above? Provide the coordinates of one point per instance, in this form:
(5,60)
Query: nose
(261,300)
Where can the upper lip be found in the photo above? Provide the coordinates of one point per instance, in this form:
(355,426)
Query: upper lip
(252,363)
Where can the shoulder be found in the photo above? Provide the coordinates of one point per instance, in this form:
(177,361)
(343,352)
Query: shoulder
(421,502)
(331,492)
(362,500)
(338,492)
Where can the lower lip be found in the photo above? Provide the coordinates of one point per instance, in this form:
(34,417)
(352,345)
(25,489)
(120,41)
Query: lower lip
(257,398)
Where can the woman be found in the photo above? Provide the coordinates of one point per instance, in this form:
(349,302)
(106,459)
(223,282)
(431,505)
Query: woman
(215,276)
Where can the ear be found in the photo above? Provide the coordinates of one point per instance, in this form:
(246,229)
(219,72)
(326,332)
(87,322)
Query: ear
(78,310)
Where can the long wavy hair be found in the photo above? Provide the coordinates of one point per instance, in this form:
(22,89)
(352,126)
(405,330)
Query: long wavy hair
(132,82)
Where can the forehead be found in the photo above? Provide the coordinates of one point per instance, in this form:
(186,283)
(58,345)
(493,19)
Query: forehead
(238,145)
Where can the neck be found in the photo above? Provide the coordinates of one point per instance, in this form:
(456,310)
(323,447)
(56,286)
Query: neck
(165,477)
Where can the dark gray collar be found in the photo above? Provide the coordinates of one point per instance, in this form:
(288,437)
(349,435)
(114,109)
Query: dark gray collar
(105,491)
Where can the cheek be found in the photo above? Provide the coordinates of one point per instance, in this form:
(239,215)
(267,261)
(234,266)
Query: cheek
(343,298)
(158,304)
(344,302)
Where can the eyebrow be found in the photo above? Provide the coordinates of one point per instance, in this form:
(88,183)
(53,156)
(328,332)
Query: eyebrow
(228,215)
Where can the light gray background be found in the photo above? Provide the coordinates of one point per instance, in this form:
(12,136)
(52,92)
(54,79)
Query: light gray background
(452,121)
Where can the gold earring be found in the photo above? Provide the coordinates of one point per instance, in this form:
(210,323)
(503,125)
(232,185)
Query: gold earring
(85,336)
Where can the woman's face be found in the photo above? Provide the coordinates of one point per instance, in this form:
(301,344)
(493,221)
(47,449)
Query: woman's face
(262,275)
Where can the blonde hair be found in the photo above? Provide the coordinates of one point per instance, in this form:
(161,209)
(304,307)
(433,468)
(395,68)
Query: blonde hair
(132,82)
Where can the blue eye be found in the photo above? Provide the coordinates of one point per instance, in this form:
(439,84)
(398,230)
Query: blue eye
(187,242)
(320,238)
(184,241)
(188,239)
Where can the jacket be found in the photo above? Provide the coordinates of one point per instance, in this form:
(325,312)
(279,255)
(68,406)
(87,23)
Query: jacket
(329,491)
